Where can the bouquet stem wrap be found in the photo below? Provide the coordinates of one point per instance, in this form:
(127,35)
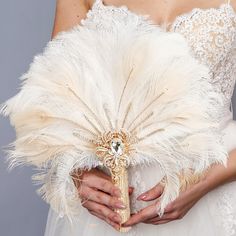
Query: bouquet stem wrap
(120,179)
(113,149)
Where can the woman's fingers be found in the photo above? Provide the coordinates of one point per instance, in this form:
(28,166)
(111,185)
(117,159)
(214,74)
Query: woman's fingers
(107,186)
(152,194)
(159,222)
(131,189)
(102,211)
(110,222)
(98,181)
(101,173)
(100,197)
(165,217)
(143,215)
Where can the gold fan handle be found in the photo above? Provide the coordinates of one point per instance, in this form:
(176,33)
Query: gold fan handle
(120,179)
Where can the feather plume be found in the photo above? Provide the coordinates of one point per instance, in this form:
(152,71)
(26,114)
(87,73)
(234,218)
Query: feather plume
(87,82)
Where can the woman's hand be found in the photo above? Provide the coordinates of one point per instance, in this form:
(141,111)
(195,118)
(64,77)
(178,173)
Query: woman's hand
(216,176)
(99,195)
(174,210)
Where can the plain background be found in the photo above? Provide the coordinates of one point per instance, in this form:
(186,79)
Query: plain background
(25,28)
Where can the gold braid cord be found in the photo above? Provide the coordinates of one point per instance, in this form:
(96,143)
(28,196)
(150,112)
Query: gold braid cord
(113,149)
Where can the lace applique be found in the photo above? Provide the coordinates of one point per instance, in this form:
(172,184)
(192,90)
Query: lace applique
(101,17)
(211,35)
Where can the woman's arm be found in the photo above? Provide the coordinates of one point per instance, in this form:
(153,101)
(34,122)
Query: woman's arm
(68,14)
(219,175)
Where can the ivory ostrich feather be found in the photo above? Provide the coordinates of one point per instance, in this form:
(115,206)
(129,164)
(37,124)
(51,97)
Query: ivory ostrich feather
(87,82)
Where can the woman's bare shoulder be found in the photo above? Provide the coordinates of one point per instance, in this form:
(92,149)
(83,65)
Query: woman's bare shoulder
(69,13)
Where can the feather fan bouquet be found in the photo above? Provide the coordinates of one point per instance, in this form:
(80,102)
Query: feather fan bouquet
(129,96)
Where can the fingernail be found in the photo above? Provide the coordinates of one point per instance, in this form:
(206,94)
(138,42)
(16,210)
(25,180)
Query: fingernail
(131,189)
(120,205)
(142,197)
(114,225)
(117,227)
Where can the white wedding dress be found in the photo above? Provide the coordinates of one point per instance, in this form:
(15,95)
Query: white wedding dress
(211,33)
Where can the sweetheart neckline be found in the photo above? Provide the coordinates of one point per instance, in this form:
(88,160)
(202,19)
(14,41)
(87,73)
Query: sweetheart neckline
(178,18)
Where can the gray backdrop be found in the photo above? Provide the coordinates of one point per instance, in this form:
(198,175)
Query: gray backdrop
(25,28)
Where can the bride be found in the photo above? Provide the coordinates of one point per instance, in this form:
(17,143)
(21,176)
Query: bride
(207,208)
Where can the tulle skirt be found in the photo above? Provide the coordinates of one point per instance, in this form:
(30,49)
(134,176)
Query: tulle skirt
(213,215)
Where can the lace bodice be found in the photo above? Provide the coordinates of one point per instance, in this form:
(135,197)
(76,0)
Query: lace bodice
(210,33)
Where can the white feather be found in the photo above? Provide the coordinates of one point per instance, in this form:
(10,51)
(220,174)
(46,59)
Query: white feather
(86,82)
